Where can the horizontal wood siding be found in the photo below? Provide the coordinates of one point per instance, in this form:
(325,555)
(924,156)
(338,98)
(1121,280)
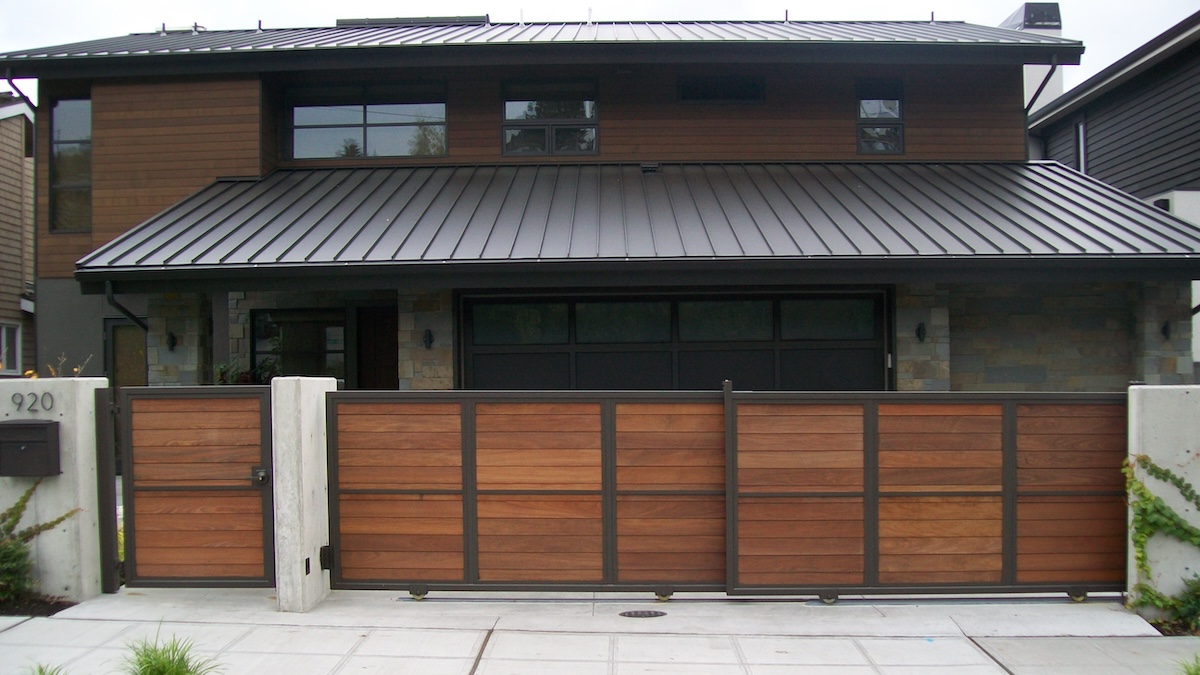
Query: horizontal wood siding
(545,538)
(940,540)
(800,541)
(399,491)
(663,449)
(153,143)
(809,113)
(1071,509)
(196,514)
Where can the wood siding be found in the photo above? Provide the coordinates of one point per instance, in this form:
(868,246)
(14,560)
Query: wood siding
(153,143)
(196,514)
(808,114)
(1142,136)
(16,232)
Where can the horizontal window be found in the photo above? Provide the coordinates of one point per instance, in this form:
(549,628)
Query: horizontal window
(380,123)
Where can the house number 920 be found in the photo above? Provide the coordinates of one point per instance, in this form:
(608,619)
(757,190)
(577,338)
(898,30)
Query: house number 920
(31,402)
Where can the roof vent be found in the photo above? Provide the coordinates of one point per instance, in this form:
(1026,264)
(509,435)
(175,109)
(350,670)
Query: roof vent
(418,21)
(1035,16)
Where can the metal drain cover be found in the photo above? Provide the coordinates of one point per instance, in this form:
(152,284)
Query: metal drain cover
(643,613)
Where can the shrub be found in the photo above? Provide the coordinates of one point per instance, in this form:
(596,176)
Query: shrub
(16,569)
(1186,606)
(1190,667)
(173,657)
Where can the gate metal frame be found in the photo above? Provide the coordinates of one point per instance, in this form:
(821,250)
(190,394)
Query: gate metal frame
(470,493)
(1009,492)
(124,419)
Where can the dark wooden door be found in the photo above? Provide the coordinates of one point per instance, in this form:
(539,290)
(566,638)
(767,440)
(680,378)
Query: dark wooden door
(378,348)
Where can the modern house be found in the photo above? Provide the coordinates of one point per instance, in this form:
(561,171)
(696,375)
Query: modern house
(16,233)
(928,336)
(1134,125)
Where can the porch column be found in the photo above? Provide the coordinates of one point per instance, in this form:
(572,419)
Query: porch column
(421,366)
(300,480)
(179,340)
(922,338)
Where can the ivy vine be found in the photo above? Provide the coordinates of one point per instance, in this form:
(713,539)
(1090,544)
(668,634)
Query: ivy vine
(1151,516)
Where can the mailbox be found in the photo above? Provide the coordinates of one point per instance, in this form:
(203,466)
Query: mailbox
(29,448)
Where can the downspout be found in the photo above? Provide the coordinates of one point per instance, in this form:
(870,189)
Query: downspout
(1042,86)
(112,300)
(20,94)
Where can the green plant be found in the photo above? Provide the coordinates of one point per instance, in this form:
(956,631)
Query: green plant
(1190,667)
(1150,515)
(173,657)
(40,669)
(16,570)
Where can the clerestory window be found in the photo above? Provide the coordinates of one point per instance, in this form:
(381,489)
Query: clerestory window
(880,117)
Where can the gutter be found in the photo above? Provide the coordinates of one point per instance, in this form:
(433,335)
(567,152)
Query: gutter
(20,94)
(1042,86)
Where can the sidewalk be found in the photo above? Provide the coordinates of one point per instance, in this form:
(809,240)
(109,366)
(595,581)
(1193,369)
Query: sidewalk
(584,634)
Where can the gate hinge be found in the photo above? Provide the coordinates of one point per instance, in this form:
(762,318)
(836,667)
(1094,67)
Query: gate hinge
(326,556)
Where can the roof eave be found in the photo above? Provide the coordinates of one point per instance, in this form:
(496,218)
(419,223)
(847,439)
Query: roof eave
(706,272)
(508,54)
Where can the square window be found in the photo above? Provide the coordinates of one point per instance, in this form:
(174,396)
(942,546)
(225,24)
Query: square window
(544,119)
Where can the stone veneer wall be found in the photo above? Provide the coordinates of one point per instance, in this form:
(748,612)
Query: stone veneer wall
(1164,339)
(922,365)
(187,317)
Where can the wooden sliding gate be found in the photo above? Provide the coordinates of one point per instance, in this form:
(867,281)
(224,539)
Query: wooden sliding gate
(744,492)
(197,493)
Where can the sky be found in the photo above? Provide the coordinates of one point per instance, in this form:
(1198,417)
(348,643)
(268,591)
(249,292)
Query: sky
(1107,34)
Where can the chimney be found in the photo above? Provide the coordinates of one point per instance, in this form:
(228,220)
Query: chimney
(1042,18)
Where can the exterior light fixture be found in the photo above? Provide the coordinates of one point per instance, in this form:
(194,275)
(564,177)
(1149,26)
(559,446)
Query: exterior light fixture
(427,339)
(921,332)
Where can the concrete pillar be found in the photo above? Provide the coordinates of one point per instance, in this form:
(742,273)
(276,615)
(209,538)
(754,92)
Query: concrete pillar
(66,559)
(1164,425)
(300,483)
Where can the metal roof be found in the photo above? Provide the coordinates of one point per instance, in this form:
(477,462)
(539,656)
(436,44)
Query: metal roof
(853,216)
(391,37)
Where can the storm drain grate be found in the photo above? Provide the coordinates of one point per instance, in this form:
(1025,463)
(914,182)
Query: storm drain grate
(643,613)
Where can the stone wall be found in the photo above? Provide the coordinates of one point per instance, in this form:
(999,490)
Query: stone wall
(1164,337)
(424,367)
(179,340)
(1042,337)
(922,338)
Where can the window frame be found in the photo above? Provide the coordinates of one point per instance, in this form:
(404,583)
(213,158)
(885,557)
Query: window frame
(879,90)
(55,187)
(15,347)
(363,96)
(560,91)
(309,315)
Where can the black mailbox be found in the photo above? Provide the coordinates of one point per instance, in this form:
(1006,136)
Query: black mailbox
(29,448)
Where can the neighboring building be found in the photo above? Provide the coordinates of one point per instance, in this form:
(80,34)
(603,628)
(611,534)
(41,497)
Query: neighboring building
(1136,126)
(430,204)
(16,236)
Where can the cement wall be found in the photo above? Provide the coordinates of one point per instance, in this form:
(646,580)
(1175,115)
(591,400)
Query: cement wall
(1164,425)
(66,559)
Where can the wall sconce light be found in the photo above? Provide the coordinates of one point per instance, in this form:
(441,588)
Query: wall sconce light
(921,332)
(171,341)
(427,339)
(1166,330)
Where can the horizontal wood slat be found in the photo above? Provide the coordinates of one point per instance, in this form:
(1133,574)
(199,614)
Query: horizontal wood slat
(1077,538)
(537,520)
(800,448)
(670,446)
(958,536)
(1079,447)
(800,540)
(671,539)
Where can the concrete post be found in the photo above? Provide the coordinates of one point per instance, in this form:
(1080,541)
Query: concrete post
(1164,425)
(300,483)
(66,559)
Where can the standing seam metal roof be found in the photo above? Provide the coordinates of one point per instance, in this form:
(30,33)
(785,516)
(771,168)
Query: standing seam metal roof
(343,218)
(680,32)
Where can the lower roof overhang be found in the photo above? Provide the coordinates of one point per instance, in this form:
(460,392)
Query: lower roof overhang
(647,226)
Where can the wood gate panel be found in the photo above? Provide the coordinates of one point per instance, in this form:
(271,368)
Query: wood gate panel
(195,514)
(670,493)
(398,483)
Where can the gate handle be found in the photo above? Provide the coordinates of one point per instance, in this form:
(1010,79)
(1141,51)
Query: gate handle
(259,476)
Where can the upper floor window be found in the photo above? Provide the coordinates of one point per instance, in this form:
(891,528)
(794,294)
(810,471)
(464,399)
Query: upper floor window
(880,117)
(71,166)
(550,119)
(348,122)
(10,349)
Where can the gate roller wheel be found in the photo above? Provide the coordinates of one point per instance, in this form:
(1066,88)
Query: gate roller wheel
(662,597)
(663,594)
(418,596)
(1078,596)
(829,598)
(418,592)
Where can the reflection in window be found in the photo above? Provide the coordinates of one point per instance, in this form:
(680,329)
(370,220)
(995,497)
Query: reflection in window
(71,166)
(622,322)
(380,123)
(880,117)
(10,349)
(828,319)
(725,321)
(299,342)
(557,119)
(520,324)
